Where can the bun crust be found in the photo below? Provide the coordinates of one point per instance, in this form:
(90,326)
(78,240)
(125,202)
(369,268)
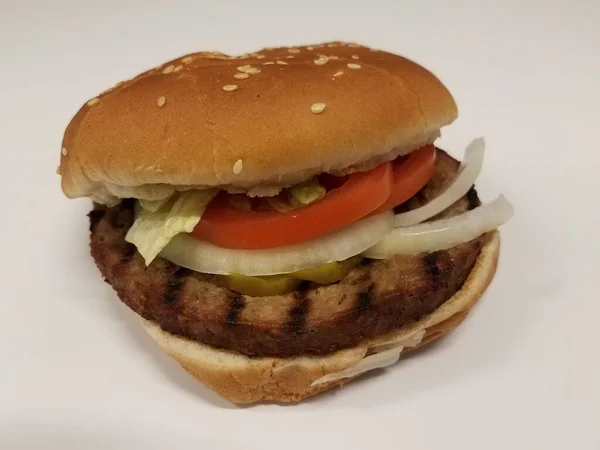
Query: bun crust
(241,379)
(175,127)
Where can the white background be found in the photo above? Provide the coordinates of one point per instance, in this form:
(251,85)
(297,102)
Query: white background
(77,371)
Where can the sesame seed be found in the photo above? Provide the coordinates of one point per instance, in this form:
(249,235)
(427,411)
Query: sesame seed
(93,101)
(354,66)
(230,87)
(373,49)
(310,48)
(261,57)
(321,62)
(58,170)
(64,151)
(338,74)
(283,63)
(187,59)
(161,101)
(237,167)
(293,50)
(268,63)
(353,45)
(318,108)
(249,69)
(332,45)
(355,57)
(168,69)
(177,69)
(241,76)
(334,57)
(119,84)
(289,56)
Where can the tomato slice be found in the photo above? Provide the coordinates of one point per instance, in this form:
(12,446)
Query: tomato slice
(410,175)
(361,194)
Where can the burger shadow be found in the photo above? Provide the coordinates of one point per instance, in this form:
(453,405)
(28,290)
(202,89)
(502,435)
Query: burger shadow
(68,434)
(167,366)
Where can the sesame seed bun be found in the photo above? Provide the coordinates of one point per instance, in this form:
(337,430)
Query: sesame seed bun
(252,123)
(241,379)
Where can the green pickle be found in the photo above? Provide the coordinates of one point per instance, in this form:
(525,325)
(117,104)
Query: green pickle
(282,284)
(328,273)
(260,286)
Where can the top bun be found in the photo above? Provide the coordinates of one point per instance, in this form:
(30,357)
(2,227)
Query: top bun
(251,123)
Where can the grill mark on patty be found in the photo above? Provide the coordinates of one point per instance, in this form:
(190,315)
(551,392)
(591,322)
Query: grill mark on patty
(472,199)
(174,286)
(236,304)
(298,313)
(95,216)
(430,264)
(364,299)
(435,265)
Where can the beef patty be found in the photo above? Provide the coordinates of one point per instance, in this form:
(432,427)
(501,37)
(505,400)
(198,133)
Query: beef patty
(375,297)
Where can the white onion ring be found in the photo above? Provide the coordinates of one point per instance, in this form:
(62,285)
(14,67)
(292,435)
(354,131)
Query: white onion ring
(444,233)
(201,256)
(467,174)
(371,362)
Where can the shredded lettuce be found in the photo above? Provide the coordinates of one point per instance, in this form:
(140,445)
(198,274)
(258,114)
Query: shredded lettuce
(153,205)
(153,230)
(280,204)
(306,193)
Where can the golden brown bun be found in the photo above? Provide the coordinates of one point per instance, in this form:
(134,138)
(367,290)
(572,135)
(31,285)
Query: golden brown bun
(241,379)
(123,144)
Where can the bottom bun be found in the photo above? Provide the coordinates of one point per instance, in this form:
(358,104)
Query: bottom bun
(241,379)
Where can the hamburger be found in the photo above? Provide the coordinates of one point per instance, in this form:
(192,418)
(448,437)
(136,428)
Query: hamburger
(282,221)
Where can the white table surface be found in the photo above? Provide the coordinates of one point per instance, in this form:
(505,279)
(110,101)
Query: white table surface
(77,371)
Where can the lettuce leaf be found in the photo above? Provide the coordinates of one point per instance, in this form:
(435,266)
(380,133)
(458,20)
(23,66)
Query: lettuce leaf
(153,230)
(153,205)
(297,196)
(306,193)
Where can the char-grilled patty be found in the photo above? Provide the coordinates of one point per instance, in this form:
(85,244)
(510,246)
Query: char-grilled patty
(376,297)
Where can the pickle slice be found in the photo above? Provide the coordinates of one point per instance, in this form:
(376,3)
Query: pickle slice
(328,273)
(259,286)
(282,284)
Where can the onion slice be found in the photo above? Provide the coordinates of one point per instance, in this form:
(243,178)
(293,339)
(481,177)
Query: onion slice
(444,233)
(467,174)
(201,256)
(371,362)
